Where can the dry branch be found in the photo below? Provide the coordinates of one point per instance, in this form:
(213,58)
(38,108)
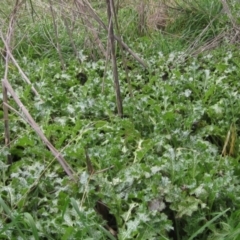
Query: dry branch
(122,52)
(56,35)
(93,14)
(114,60)
(6,53)
(38,130)
(81,6)
(18,67)
(6,124)
(226,10)
(69,31)
(142,17)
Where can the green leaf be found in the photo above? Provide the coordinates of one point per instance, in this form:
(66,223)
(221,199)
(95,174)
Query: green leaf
(30,221)
(200,230)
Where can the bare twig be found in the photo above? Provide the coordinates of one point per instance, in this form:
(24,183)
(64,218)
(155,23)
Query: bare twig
(142,17)
(81,5)
(32,10)
(101,23)
(236,27)
(56,36)
(226,10)
(103,170)
(12,22)
(211,44)
(70,34)
(196,42)
(106,60)
(11,108)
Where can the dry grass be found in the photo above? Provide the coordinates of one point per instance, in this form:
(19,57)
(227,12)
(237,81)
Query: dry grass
(153,14)
(157,16)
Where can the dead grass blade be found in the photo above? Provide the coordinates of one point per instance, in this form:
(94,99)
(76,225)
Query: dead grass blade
(230,142)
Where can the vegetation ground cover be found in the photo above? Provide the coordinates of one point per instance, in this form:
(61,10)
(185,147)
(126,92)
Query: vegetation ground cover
(168,169)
